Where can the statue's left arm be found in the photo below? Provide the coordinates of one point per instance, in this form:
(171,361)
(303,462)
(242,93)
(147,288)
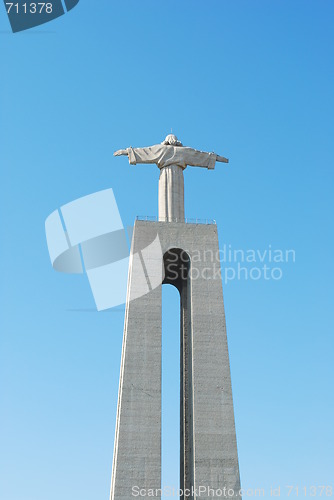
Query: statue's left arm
(196,158)
(222,159)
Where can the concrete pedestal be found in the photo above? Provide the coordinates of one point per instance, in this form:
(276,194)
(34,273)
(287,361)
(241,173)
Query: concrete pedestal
(188,258)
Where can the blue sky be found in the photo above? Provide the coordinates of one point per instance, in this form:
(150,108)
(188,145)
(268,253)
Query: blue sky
(251,80)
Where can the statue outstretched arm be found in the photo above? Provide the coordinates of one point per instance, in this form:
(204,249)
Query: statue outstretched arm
(196,158)
(121,152)
(151,154)
(222,159)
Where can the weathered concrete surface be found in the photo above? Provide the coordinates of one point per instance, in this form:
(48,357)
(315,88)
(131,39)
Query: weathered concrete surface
(208,440)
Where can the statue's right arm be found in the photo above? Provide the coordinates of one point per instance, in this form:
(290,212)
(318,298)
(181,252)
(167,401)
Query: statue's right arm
(150,154)
(121,152)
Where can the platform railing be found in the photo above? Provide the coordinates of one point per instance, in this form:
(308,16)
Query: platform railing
(153,218)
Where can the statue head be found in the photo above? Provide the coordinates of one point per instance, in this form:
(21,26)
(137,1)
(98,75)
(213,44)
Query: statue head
(172,140)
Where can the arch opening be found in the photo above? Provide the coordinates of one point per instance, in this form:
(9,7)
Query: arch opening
(176,266)
(170,385)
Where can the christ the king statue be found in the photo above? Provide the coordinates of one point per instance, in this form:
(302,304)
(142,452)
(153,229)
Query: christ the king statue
(172,158)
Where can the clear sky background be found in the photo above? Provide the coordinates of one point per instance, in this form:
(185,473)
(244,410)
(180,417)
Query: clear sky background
(251,80)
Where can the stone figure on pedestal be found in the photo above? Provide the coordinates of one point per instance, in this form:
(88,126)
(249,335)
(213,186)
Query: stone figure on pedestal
(208,446)
(172,158)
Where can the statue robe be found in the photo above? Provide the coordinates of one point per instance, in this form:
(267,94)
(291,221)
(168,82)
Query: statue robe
(171,160)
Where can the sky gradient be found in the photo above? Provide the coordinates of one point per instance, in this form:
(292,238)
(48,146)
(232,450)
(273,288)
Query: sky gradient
(250,80)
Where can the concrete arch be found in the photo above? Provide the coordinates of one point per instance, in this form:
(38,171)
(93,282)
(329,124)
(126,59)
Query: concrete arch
(208,440)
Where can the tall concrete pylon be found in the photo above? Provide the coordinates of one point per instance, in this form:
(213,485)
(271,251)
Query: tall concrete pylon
(186,255)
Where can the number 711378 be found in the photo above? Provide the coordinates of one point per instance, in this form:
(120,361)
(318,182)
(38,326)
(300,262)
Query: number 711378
(29,7)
